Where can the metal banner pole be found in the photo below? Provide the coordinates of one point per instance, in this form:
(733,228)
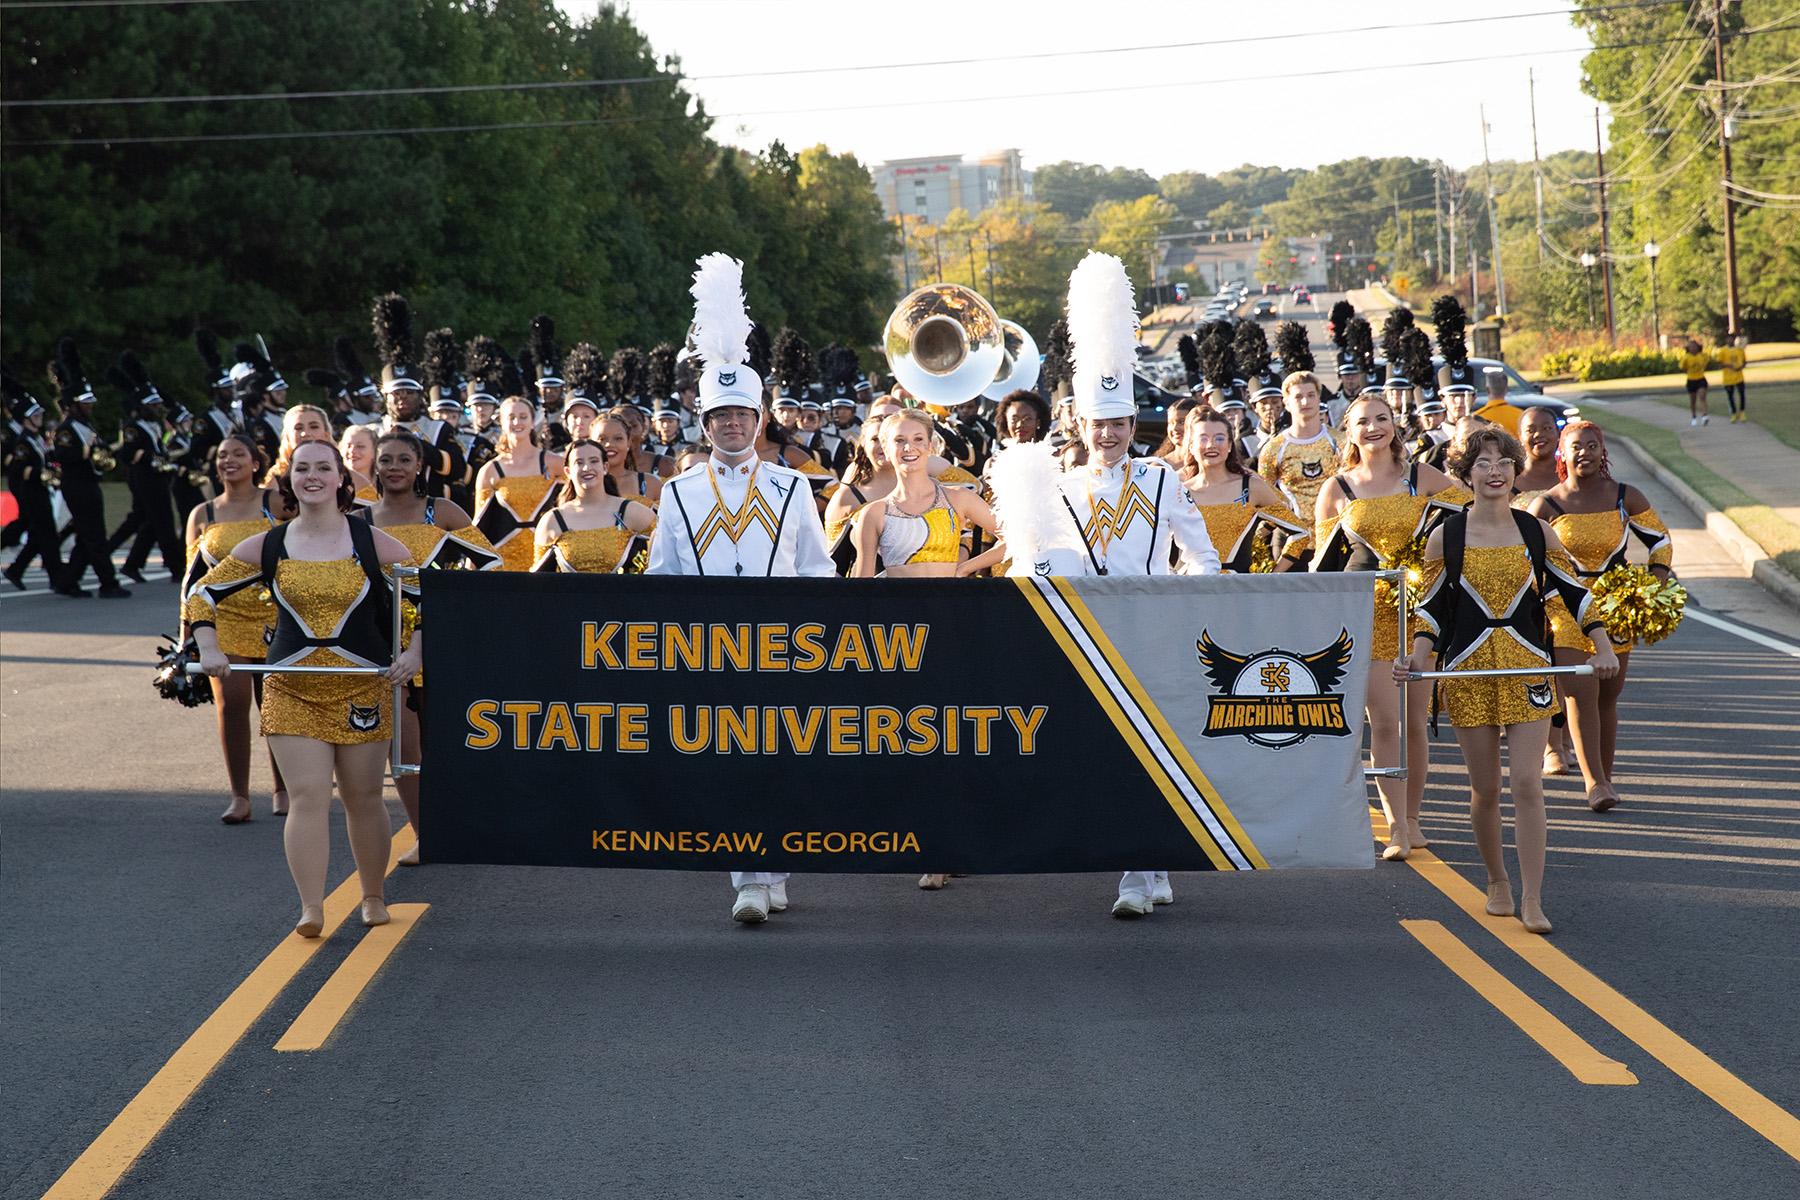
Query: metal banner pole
(1399,772)
(1502,672)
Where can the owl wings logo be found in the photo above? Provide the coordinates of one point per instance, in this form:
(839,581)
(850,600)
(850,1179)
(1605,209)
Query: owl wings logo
(1276,698)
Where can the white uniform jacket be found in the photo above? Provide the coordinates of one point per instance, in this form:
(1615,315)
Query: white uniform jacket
(1129,514)
(754,519)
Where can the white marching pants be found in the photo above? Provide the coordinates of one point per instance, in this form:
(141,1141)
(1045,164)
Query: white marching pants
(1138,883)
(740,878)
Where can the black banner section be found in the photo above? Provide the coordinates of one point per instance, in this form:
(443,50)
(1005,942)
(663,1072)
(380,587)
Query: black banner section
(772,725)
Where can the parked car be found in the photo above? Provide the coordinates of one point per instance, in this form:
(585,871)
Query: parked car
(1302,297)
(1521,393)
(1153,408)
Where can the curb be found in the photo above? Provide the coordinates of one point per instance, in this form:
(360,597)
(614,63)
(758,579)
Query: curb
(1743,547)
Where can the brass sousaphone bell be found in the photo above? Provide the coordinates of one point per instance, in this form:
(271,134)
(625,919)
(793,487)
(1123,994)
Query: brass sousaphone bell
(1018,365)
(945,345)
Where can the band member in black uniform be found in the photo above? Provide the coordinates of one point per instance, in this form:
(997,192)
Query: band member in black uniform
(147,471)
(551,387)
(489,368)
(405,392)
(82,459)
(27,478)
(219,418)
(252,376)
(186,476)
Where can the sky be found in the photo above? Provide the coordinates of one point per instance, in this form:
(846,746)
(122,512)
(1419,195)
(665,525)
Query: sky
(1186,101)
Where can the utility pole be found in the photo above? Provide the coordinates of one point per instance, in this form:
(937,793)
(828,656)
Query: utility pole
(905,252)
(1493,225)
(1452,258)
(1474,276)
(993,293)
(1437,209)
(1731,275)
(1396,231)
(937,253)
(1537,165)
(1605,254)
(973,277)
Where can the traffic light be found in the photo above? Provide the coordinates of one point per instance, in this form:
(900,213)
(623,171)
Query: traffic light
(1294,261)
(1340,258)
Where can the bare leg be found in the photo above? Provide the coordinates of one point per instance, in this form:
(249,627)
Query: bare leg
(1526,781)
(232,699)
(1582,693)
(1383,707)
(307,836)
(1609,711)
(408,785)
(359,776)
(1481,752)
(1418,754)
(278,803)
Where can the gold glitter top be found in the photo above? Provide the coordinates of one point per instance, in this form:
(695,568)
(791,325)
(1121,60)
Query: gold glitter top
(1597,540)
(241,616)
(1388,525)
(1501,577)
(434,546)
(585,551)
(509,511)
(1235,527)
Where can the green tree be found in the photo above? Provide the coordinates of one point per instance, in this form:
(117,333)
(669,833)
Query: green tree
(1074,189)
(1129,229)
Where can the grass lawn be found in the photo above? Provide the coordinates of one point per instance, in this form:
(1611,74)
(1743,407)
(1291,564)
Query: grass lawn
(1780,538)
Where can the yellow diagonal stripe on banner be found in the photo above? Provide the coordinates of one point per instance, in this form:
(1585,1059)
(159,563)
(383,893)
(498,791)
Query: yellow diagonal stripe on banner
(1195,775)
(1115,713)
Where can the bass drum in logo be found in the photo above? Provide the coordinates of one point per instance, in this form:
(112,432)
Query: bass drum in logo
(1276,698)
(1275,673)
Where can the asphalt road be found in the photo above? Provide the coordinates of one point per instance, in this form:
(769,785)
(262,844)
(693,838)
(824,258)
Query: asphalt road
(570,1033)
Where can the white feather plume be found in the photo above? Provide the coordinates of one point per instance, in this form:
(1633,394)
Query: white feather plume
(1024,478)
(721,321)
(1103,320)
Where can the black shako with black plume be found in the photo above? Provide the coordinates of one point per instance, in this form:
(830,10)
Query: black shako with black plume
(527,369)
(584,370)
(546,355)
(1359,339)
(1451,319)
(1251,345)
(661,373)
(1415,356)
(328,381)
(442,369)
(1397,322)
(838,369)
(391,322)
(488,366)
(795,367)
(130,377)
(1058,367)
(627,375)
(1189,350)
(207,343)
(759,351)
(1218,361)
(1293,347)
(1341,312)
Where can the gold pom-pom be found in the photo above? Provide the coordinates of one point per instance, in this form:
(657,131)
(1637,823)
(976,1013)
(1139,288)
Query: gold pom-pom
(1411,559)
(1262,554)
(409,621)
(1636,606)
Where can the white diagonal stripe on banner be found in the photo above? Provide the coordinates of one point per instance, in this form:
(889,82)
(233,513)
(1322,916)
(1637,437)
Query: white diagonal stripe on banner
(1129,705)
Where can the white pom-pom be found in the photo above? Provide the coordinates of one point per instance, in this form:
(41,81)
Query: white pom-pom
(1103,320)
(721,321)
(1025,480)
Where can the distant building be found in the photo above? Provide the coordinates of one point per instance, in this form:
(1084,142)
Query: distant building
(929,189)
(1241,256)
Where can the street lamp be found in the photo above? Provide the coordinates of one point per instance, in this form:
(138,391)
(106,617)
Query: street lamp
(1652,251)
(1587,261)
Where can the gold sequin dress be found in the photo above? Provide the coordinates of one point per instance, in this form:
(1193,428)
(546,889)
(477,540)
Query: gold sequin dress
(588,551)
(1240,530)
(319,597)
(508,511)
(1384,533)
(244,618)
(1496,578)
(1597,542)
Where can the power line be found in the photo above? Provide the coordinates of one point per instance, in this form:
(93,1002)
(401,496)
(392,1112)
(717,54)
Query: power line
(27,5)
(791,72)
(840,108)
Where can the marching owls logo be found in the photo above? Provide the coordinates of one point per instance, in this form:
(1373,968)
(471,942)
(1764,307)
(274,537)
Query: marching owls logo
(364,717)
(1109,383)
(1540,695)
(1276,698)
(727,378)
(1312,470)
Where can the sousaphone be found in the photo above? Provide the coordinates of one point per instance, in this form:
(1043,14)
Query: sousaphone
(945,345)
(1018,365)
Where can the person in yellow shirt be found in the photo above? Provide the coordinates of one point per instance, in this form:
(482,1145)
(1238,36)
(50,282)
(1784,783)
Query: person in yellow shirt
(1731,356)
(1694,362)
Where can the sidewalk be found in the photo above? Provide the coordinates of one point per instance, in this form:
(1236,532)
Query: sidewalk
(1747,454)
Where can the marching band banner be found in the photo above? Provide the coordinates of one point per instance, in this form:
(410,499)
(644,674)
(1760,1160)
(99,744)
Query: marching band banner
(981,726)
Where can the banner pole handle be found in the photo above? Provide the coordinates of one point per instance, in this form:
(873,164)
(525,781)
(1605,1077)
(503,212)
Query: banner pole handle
(1402,651)
(396,753)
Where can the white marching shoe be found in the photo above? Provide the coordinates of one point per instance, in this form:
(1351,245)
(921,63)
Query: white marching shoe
(752,907)
(778,896)
(1160,891)
(1132,904)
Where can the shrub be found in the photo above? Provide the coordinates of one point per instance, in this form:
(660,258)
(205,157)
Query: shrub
(1587,363)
